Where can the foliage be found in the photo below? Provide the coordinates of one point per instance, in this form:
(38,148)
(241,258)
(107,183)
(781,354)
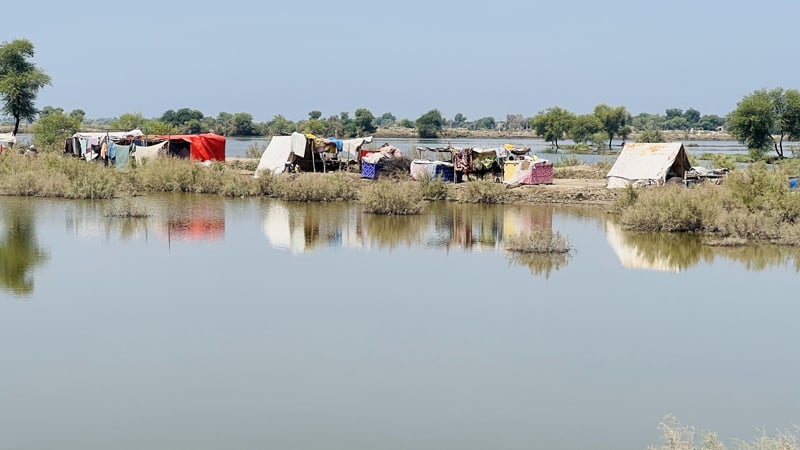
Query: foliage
(552,124)
(763,112)
(390,198)
(484,191)
(538,240)
(650,135)
(613,119)
(51,130)
(681,437)
(433,188)
(20,80)
(430,124)
(584,127)
(567,161)
(364,122)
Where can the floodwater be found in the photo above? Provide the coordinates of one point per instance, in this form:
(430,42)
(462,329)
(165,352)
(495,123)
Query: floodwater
(256,323)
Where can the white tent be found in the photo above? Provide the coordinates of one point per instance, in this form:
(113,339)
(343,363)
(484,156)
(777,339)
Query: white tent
(643,164)
(276,155)
(110,134)
(7,139)
(633,257)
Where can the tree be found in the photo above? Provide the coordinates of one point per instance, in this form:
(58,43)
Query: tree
(692,116)
(584,127)
(459,120)
(314,115)
(386,120)
(53,128)
(484,123)
(429,124)
(280,125)
(129,121)
(552,124)
(763,112)
(365,122)
(673,113)
(20,80)
(613,119)
(243,124)
(650,135)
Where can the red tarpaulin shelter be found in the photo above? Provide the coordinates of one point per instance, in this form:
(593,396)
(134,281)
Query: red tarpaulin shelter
(202,147)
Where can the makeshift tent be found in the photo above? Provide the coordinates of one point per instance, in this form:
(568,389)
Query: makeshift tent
(277,154)
(7,139)
(644,164)
(299,148)
(201,147)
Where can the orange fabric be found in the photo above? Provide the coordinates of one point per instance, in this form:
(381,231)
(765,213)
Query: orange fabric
(204,147)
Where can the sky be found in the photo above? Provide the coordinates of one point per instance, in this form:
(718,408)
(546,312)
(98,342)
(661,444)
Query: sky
(479,59)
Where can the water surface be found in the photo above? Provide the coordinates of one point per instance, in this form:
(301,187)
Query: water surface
(256,324)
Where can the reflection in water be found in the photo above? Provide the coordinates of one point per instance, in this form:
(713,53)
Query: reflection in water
(676,252)
(655,251)
(19,250)
(303,226)
(538,263)
(178,217)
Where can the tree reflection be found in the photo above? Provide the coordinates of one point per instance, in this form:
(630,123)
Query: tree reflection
(19,251)
(539,263)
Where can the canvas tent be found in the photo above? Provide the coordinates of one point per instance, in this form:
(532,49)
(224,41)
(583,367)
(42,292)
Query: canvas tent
(299,148)
(201,147)
(643,164)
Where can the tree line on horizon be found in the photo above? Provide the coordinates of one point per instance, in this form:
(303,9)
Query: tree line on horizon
(762,120)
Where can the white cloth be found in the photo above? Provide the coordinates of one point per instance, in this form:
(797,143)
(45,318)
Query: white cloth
(299,144)
(140,152)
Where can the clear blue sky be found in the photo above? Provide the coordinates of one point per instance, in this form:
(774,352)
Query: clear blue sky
(475,58)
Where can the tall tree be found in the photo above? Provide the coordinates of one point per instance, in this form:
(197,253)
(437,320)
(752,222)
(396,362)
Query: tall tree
(584,127)
(20,80)
(552,124)
(430,124)
(612,118)
(365,121)
(763,112)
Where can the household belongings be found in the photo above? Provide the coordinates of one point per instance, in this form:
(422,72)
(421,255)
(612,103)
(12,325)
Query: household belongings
(641,164)
(478,161)
(89,145)
(528,171)
(373,161)
(421,168)
(300,151)
(7,140)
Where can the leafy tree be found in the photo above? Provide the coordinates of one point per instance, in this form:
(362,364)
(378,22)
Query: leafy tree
(53,128)
(613,119)
(315,126)
(181,116)
(673,113)
(224,123)
(314,115)
(459,120)
(430,124)
(364,121)
(516,121)
(552,124)
(152,126)
(484,123)
(692,116)
(20,80)
(650,135)
(406,123)
(386,120)
(129,121)
(677,123)
(711,122)
(584,127)
(243,124)
(763,112)
(280,125)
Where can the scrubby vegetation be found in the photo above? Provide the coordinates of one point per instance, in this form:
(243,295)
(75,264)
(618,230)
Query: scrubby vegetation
(754,205)
(389,198)
(681,437)
(484,191)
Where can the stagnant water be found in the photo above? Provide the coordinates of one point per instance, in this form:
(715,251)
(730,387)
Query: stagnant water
(254,324)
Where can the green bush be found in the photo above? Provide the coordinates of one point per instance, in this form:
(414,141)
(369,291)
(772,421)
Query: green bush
(484,191)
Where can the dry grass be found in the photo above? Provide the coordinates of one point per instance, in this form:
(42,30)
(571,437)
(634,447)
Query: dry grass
(391,198)
(681,437)
(484,191)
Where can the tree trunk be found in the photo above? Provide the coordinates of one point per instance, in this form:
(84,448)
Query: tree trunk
(555,140)
(16,125)
(610,138)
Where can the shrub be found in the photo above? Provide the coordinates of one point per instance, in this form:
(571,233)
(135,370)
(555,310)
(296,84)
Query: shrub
(314,187)
(388,198)
(433,188)
(484,191)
